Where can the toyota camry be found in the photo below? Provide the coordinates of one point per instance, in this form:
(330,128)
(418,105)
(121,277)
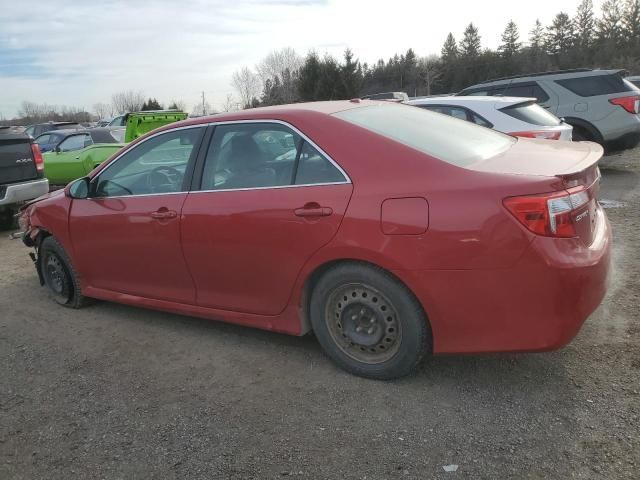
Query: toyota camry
(388,231)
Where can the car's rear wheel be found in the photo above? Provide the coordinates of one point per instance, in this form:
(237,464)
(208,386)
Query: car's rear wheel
(368,322)
(59,275)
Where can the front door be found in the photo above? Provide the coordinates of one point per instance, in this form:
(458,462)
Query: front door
(268,200)
(126,236)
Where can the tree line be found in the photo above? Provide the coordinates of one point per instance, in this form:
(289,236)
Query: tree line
(121,102)
(584,39)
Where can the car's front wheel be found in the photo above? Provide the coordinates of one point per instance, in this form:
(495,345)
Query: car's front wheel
(59,276)
(368,322)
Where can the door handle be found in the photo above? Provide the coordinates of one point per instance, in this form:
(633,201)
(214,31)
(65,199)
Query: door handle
(164,214)
(313,210)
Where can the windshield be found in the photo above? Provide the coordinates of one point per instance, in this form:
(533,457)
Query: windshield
(532,113)
(457,142)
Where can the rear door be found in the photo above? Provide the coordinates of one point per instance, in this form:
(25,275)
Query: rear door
(268,198)
(16,159)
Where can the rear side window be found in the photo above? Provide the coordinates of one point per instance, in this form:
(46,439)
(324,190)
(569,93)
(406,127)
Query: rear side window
(456,142)
(531,113)
(74,142)
(596,85)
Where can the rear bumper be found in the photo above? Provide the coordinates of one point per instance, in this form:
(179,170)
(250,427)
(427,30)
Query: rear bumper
(538,305)
(19,192)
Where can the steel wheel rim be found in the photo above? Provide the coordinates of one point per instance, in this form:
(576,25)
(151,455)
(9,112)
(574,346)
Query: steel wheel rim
(363,323)
(56,276)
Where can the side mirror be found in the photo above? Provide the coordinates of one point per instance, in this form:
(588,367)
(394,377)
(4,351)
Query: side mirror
(78,189)
(57,149)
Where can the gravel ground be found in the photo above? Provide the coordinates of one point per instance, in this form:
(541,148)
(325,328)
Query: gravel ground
(117,392)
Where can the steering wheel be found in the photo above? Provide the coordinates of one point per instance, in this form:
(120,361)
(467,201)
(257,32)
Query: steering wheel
(163,176)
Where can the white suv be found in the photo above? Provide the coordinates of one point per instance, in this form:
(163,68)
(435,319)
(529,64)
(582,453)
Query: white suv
(600,104)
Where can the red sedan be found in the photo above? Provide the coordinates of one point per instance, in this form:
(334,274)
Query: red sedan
(389,231)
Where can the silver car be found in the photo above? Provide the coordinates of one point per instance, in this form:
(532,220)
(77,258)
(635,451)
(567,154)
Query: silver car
(600,104)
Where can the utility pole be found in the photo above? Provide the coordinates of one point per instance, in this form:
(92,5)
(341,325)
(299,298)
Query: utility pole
(203,110)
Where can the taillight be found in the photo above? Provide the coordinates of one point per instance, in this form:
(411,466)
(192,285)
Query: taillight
(630,104)
(37,157)
(548,135)
(549,214)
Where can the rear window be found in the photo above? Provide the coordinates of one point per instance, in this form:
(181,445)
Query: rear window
(457,142)
(596,85)
(531,113)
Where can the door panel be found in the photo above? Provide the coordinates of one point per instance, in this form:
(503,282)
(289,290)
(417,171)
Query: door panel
(123,248)
(245,248)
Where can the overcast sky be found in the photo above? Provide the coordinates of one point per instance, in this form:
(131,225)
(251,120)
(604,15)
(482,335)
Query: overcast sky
(79,52)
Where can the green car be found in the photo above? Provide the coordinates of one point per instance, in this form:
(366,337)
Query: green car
(82,151)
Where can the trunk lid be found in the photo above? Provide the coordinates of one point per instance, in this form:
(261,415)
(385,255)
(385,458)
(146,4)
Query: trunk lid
(574,160)
(575,164)
(16,159)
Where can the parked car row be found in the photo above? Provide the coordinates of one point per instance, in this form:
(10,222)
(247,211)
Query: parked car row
(389,231)
(70,151)
(600,105)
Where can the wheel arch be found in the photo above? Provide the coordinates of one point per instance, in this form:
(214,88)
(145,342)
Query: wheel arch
(319,270)
(588,126)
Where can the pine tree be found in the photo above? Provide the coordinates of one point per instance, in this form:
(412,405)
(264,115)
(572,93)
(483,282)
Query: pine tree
(309,77)
(151,104)
(536,36)
(560,34)
(510,40)
(351,73)
(609,26)
(584,24)
(631,23)
(450,48)
(470,44)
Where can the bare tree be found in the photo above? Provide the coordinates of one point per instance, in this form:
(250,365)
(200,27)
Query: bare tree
(230,104)
(247,85)
(283,64)
(429,71)
(199,109)
(102,110)
(128,101)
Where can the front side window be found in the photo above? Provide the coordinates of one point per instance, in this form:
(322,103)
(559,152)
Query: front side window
(155,166)
(73,143)
(262,155)
(455,142)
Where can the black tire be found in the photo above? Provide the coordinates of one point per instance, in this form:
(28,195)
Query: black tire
(368,322)
(580,134)
(59,276)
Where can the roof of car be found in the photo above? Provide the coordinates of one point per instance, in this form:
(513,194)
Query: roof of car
(277,112)
(62,132)
(578,72)
(469,99)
